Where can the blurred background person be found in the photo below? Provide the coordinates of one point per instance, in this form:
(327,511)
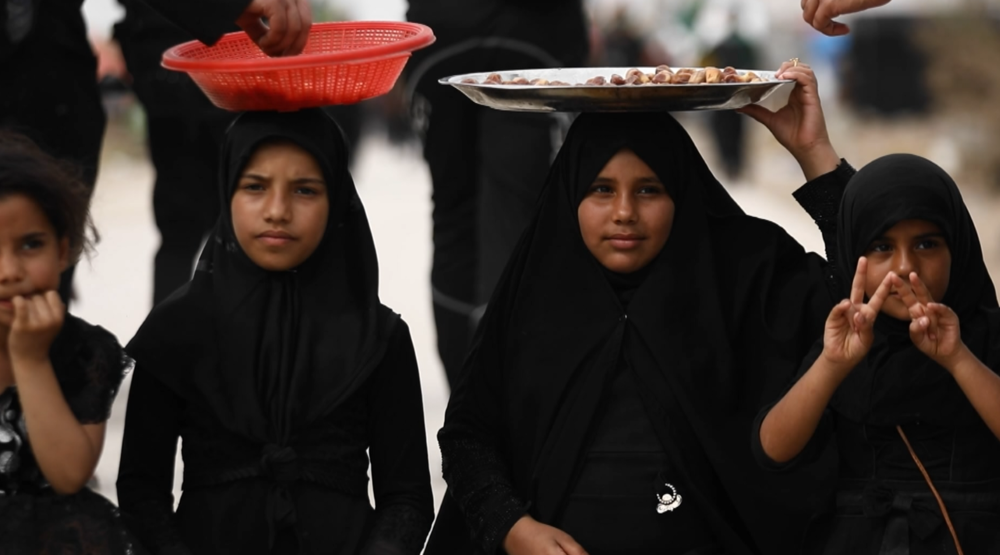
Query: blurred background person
(183,134)
(50,90)
(730,31)
(486,166)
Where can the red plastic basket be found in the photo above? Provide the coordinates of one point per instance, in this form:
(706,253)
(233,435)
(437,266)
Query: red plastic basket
(343,63)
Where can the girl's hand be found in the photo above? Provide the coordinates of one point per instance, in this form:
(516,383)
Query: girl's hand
(530,537)
(934,328)
(800,126)
(848,335)
(37,320)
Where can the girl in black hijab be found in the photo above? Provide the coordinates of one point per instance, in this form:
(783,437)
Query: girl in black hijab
(916,364)
(605,405)
(278,367)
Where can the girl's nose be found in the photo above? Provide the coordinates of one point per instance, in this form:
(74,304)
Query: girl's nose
(624,210)
(276,208)
(11,268)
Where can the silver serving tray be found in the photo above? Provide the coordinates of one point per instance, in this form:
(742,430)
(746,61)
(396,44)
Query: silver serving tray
(609,98)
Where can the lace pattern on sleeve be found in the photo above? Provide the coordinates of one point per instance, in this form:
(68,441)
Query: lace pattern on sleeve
(481,484)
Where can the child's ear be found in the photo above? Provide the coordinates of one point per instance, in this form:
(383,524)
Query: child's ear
(63,254)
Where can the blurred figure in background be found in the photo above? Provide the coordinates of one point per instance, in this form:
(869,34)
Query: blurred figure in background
(50,90)
(730,31)
(184,131)
(486,167)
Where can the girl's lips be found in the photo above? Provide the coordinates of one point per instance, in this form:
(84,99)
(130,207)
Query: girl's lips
(273,241)
(275,238)
(625,242)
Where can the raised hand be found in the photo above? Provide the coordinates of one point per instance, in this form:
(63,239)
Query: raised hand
(530,537)
(934,328)
(287,29)
(37,320)
(821,13)
(848,334)
(800,126)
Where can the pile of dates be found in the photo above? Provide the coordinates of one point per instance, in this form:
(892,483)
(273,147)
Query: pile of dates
(663,75)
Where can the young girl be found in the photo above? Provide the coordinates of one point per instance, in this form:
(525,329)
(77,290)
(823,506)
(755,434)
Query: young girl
(281,371)
(639,324)
(58,374)
(907,375)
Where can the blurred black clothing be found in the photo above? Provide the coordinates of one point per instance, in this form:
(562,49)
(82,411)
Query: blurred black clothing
(50,90)
(184,130)
(486,166)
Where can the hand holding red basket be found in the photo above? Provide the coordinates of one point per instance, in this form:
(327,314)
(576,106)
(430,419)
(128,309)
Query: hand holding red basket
(342,63)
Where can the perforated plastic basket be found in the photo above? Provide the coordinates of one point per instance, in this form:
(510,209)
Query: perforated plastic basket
(343,63)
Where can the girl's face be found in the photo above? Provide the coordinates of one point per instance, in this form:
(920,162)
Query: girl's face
(909,246)
(626,215)
(32,256)
(280,207)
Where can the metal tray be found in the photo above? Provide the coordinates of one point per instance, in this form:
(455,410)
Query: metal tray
(609,98)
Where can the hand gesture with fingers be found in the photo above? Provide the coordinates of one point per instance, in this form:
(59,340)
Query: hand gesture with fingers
(37,320)
(848,334)
(934,328)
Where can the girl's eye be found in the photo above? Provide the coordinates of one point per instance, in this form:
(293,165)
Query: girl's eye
(308,191)
(33,244)
(879,247)
(928,244)
(651,190)
(600,189)
(252,186)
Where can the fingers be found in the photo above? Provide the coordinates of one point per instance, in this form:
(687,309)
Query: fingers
(22,313)
(881,294)
(858,285)
(569,545)
(919,289)
(293,27)
(305,23)
(806,86)
(759,113)
(274,40)
(809,8)
(907,296)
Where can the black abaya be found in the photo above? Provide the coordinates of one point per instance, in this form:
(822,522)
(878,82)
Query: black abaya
(717,328)
(278,382)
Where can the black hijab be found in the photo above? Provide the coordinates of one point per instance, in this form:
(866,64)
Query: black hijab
(271,351)
(896,383)
(715,330)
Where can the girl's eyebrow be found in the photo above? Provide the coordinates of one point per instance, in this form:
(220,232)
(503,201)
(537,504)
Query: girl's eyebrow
(33,235)
(316,180)
(256,176)
(929,235)
(650,179)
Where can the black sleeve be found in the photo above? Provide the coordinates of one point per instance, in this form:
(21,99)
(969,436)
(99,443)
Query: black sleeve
(146,472)
(104,364)
(820,198)
(404,504)
(479,479)
(207,20)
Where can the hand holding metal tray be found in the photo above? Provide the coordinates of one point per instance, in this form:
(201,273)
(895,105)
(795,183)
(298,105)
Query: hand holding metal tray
(609,98)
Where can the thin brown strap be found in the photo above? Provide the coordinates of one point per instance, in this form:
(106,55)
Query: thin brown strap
(927,477)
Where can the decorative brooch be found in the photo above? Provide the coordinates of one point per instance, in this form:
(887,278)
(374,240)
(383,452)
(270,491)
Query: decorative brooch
(668,501)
